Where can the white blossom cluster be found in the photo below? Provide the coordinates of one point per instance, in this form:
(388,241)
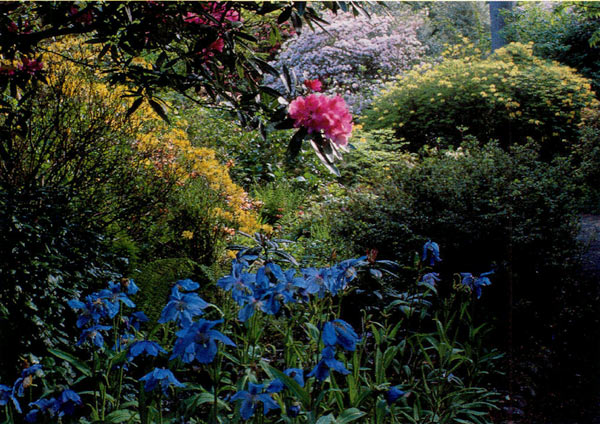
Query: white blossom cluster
(353,56)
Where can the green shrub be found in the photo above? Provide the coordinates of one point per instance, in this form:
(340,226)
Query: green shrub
(509,96)
(375,152)
(278,199)
(478,201)
(49,250)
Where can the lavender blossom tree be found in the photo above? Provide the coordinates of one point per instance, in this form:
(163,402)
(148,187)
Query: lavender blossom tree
(354,56)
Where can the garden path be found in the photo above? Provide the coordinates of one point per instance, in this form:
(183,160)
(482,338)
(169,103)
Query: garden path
(589,234)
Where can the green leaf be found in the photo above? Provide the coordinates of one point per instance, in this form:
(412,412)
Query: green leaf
(313,331)
(72,360)
(159,109)
(290,383)
(326,419)
(350,415)
(119,416)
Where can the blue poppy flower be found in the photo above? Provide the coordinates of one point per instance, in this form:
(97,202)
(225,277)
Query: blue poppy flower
(67,401)
(429,280)
(250,399)
(199,342)
(260,300)
(134,320)
(122,341)
(26,379)
(293,411)
(49,407)
(431,253)
(34,369)
(182,308)
(185,285)
(7,394)
(275,386)
(327,362)
(238,282)
(476,283)
(113,297)
(92,310)
(147,347)
(296,374)
(94,335)
(270,274)
(162,377)
(291,286)
(393,394)
(130,287)
(340,332)
(319,281)
(346,271)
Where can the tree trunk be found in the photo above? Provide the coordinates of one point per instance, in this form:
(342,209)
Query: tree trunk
(497,22)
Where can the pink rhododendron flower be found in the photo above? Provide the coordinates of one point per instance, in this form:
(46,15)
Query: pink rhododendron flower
(322,113)
(314,85)
(217,10)
(31,66)
(215,46)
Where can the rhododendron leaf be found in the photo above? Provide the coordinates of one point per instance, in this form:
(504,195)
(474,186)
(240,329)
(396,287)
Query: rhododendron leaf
(134,106)
(286,124)
(270,91)
(103,51)
(285,15)
(159,109)
(296,142)
(290,76)
(320,154)
(265,67)
(160,60)
(296,22)
(287,256)
(244,36)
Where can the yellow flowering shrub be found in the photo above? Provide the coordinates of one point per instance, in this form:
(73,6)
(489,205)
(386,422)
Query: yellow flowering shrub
(163,147)
(509,96)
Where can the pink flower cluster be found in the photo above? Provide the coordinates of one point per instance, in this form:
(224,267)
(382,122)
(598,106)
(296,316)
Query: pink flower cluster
(31,66)
(322,113)
(217,9)
(314,85)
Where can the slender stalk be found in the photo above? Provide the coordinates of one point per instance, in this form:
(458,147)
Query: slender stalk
(120,387)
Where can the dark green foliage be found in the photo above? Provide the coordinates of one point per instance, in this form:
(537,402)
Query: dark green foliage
(68,173)
(480,202)
(561,34)
(48,251)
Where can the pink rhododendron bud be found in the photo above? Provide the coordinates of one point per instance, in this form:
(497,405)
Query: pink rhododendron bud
(319,113)
(314,85)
